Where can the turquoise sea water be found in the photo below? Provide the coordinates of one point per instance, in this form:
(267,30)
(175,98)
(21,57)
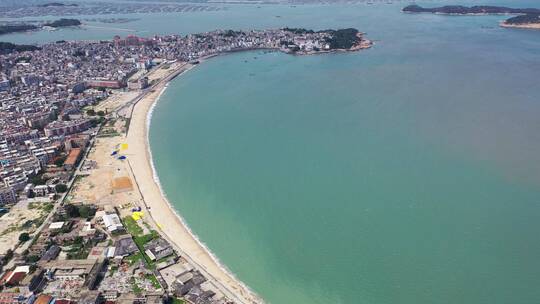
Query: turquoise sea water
(408,173)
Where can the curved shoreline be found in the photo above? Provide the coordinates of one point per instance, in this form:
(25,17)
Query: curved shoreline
(161,210)
(171,207)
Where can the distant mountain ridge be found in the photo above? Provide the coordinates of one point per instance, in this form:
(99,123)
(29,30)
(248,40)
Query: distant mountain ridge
(466,10)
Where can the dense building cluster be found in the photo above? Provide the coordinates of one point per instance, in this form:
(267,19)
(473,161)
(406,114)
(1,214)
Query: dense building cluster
(90,255)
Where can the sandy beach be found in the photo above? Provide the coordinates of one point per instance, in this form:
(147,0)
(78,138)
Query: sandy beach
(162,214)
(533,26)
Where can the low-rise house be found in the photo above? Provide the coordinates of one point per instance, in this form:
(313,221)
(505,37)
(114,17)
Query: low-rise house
(58,128)
(85,271)
(14,277)
(109,295)
(124,246)
(33,282)
(73,158)
(112,222)
(43,190)
(87,230)
(88,297)
(51,254)
(44,299)
(16,298)
(57,225)
(158,249)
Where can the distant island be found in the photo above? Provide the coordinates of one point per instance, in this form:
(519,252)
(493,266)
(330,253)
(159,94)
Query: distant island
(64,22)
(52,4)
(470,10)
(527,17)
(531,21)
(25,27)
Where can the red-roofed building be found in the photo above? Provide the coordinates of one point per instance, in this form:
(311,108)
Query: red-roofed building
(72,159)
(43,299)
(13,278)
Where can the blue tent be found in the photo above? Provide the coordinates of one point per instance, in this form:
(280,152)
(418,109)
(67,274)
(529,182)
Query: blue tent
(122,157)
(114,153)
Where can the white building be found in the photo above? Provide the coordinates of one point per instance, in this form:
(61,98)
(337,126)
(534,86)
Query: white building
(112,222)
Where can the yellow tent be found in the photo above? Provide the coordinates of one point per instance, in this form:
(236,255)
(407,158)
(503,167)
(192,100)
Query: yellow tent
(123,147)
(137,215)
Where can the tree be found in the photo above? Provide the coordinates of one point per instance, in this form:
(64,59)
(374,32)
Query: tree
(72,211)
(60,188)
(100,113)
(32,258)
(33,268)
(91,112)
(59,162)
(37,179)
(86,211)
(24,237)
(7,256)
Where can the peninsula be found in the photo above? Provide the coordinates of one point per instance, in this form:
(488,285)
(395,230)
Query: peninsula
(26,27)
(14,28)
(76,165)
(528,18)
(8,47)
(528,21)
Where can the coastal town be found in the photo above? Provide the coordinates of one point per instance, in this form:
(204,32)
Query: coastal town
(81,218)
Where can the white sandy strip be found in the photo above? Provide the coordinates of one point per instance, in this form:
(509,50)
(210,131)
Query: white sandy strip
(532,26)
(172,225)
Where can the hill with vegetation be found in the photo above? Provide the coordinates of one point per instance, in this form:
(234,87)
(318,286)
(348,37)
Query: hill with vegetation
(64,22)
(8,29)
(524,19)
(8,47)
(344,38)
(468,10)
